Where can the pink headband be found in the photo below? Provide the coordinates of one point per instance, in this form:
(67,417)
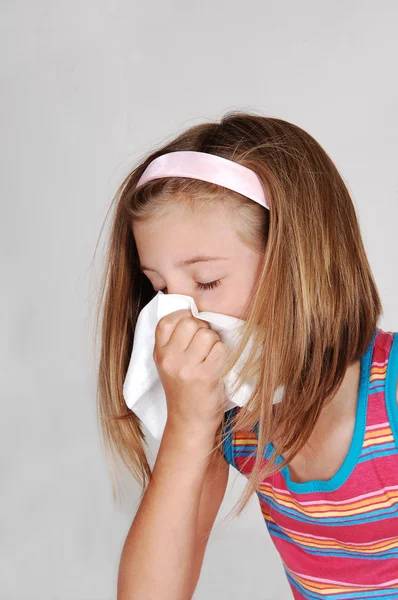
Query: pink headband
(208,167)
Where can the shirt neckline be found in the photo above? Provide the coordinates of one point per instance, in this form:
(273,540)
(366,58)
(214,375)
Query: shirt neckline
(355,449)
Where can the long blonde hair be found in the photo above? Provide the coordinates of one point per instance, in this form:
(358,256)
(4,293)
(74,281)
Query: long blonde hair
(315,306)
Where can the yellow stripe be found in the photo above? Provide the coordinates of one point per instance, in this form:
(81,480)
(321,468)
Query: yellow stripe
(378,440)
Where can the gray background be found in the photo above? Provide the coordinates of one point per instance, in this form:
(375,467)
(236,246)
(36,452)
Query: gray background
(87,88)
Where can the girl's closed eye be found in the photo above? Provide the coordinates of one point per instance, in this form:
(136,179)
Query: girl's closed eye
(208,286)
(205,286)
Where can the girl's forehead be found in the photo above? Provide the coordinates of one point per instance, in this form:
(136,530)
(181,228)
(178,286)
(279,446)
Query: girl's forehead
(192,228)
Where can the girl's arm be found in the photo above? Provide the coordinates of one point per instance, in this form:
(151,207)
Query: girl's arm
(213,492)
(162,554)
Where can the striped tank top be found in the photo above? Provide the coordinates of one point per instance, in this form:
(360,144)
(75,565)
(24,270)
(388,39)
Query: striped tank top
(338,538)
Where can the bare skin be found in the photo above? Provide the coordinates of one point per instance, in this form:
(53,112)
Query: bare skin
(328,445)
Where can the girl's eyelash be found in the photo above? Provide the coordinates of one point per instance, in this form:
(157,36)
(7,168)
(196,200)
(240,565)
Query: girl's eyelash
(208,286)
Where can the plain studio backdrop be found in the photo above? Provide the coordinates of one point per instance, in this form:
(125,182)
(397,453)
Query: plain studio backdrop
(88,87)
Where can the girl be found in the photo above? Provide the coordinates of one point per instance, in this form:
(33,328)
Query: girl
(250,217)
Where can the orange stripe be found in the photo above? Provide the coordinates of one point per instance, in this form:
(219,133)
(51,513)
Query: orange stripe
(377,432)
(353,508)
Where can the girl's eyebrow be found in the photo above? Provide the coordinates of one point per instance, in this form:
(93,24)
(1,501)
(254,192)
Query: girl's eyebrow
(190,261)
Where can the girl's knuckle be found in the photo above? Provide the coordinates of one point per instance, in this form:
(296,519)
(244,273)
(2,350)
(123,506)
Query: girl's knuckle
(163,324)
(208,333)
(166,362)
(188,323)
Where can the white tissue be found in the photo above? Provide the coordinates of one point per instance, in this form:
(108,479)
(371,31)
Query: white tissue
(142,388)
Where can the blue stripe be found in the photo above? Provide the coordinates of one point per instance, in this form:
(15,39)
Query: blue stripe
(376,455)
(375,390)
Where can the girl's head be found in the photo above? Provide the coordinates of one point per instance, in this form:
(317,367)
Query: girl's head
(296,273)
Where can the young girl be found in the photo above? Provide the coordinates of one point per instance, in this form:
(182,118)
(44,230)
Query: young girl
(250,217)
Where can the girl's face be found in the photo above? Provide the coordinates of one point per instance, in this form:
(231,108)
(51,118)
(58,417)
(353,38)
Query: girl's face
(165,244)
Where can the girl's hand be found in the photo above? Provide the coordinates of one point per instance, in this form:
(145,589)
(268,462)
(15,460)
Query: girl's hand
(187,354)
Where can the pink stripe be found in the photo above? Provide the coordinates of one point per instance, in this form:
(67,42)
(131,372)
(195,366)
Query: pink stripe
(379,364)
(379,425)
